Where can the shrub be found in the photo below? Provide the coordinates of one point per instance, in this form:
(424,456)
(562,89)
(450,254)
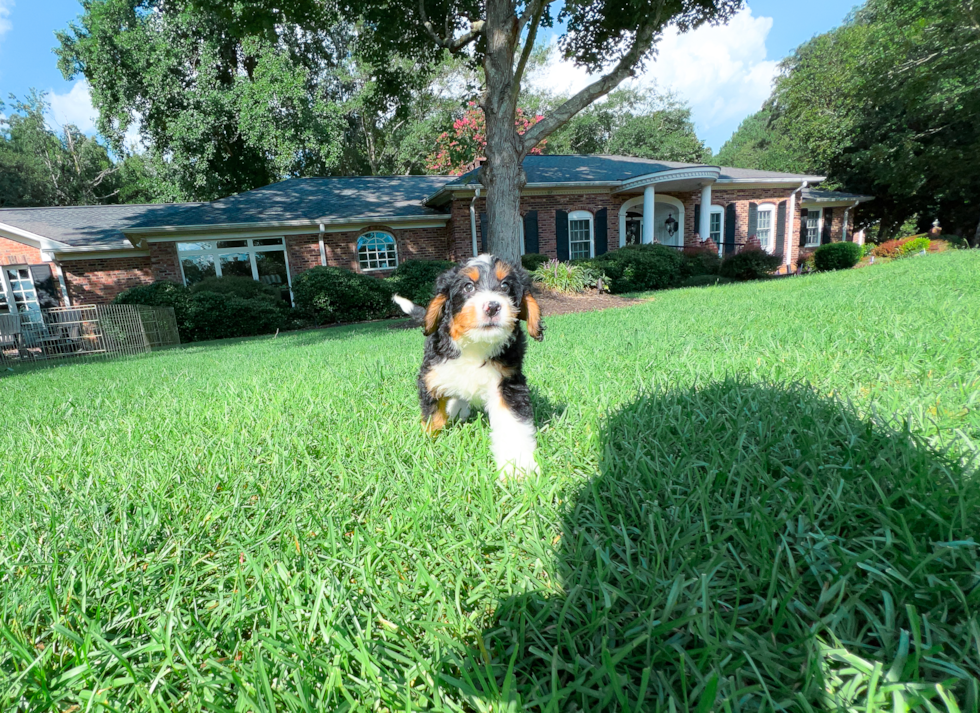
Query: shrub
(913,246)
(593,274)
(706,281)
(699,261)
(532,261)
(212,315)
(561,277)
(805,262)
(244,287)
(889,248)
(955,241)
(161,294)
(332,294)
(641,267)
(749,265)
(837,256)
(416,279)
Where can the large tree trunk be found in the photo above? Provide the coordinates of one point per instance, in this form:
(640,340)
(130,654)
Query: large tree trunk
(502,173)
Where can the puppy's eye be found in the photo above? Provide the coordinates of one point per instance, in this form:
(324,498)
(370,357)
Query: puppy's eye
(468,288)
(505,285)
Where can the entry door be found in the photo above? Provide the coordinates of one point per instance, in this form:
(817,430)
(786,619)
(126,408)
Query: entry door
(667,225)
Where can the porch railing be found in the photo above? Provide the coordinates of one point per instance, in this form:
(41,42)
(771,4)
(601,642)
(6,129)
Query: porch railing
(91,331)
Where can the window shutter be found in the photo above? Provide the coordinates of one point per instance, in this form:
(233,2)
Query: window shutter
(803,214)
(561,234)
(601,224)
(780,228)
(697,221)
(45,286)
(731,219)
(753,219)
(531,231)
(483,232)
(828,224)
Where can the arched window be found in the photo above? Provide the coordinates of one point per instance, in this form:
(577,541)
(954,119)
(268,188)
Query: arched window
(377,251)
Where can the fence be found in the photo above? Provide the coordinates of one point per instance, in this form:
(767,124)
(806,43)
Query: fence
(91,331)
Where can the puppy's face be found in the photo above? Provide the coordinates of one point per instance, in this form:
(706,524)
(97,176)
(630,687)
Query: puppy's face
(483,299)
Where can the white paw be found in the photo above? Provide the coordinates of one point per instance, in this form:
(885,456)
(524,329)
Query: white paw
(518,468)
(458,409)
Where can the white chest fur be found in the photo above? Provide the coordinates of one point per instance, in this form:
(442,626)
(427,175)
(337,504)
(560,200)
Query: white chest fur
(471,376)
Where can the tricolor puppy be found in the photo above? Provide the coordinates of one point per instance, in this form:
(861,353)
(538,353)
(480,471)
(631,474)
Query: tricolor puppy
(474,352)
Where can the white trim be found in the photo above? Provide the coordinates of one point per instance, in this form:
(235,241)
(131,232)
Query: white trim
(312,225)
(819,234)
(675,174)
(357,250)
(828,204)
(28,238)
(250,250)
(771,209)
(65,297)
(658,198)
(578,215)
(719,210)
(100,255)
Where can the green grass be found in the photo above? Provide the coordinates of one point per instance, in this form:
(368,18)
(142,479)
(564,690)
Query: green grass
(754,497)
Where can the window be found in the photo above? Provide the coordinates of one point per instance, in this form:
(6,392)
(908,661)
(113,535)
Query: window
(716,224)
(262,259)
(579,235)
(377,251)
(765,224)
(17,291)
(814,217)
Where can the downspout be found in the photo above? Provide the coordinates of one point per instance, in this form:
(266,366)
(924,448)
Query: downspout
(476,194)
(323,249)
(792,220)
(847,215)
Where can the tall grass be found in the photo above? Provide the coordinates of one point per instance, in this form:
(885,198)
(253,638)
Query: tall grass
(754,497)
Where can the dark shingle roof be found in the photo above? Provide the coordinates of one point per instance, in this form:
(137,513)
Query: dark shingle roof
(818,195)
(311,200)
(88,226)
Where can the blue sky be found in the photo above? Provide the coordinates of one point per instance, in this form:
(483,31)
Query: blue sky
(724,73)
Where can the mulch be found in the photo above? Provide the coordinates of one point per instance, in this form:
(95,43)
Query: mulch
(553,303)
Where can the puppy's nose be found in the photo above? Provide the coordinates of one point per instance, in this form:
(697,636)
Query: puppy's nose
(492,308)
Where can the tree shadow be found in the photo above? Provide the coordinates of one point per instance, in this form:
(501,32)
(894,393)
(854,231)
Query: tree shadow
(747,547)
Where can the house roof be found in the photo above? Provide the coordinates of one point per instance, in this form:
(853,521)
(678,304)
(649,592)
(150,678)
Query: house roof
(87,226)
(818,195)
(309,200)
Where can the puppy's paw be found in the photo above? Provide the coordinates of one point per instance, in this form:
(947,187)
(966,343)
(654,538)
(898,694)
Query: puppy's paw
(519,468)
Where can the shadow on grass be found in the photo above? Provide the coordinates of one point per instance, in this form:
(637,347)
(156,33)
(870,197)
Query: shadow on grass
(750,547)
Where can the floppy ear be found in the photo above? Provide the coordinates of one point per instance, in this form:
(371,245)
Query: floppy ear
(531,313)
(433,313)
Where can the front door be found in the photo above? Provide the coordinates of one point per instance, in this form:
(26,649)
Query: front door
(666,226)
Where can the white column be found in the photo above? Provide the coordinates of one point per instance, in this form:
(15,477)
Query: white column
(791,236)
(705,227)
(648,203)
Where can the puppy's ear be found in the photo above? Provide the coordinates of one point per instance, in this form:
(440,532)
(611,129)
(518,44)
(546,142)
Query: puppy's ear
(433,313)
(530,312)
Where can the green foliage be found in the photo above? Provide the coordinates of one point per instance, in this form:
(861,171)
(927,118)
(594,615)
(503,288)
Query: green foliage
(759,144)
(333,294)
(913,246)
(212,315)
(244,287)
(161,294)
(563,277)
(532,261)
(635,268)
(706,280)
(837,256)
(698,261)
(749,265)
(416,279)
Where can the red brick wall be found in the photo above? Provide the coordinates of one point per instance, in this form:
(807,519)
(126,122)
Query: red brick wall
(98,280)
(164,264)
(14,253)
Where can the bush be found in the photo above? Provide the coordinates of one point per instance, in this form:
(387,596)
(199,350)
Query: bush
(749,265)
(913,246)
(837,256)
(532,261)
(706,281)
(244,287)
(699,261)
(332,294)
(563,277)
(213,315)
(416,279)
(897,248)
(161,294)
(641,267)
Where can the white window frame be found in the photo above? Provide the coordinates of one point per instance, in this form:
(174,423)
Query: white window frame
(8,291)
(769,208)
(367,235)
(577,215)
(250,248)
(720,212)
(819,232)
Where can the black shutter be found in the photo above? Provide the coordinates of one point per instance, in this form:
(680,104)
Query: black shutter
(731,221)
(828,224)
(45,286)
(780,228)
(601,232)
(561,234)
(531,232)
(483,232)
(697,221)
(753,219)
(803,214)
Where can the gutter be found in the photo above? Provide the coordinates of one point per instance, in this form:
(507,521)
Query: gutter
(792,220)
(323,249)
(476,195)
(230,227)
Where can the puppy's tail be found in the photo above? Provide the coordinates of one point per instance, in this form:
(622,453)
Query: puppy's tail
(410,308)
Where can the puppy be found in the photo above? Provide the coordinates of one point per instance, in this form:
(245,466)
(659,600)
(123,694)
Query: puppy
(474,352)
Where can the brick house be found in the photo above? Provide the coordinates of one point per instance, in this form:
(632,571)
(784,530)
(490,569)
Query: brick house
(572,206)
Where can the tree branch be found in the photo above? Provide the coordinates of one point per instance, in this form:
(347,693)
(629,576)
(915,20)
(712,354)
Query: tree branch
(598,89)
(537,8)
(453,44)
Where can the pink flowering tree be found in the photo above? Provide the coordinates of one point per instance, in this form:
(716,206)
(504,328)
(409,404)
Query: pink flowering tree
(458,150)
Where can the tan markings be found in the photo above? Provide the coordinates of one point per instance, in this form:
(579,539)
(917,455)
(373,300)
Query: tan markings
(505,371)
(503,269)
(472,272)
(463,322)
(437,421)
(430,377)
(531,313)
(432,313)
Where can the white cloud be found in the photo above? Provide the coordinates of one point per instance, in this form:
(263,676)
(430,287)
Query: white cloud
(721,71)
(5,24)
(73,107)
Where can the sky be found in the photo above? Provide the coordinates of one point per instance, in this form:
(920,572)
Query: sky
(724,73)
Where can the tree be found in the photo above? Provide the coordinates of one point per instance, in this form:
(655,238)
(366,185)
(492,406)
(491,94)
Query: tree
(759,144)
(457,149)
(499,35)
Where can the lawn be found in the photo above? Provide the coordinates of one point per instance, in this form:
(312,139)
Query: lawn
(754,497)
